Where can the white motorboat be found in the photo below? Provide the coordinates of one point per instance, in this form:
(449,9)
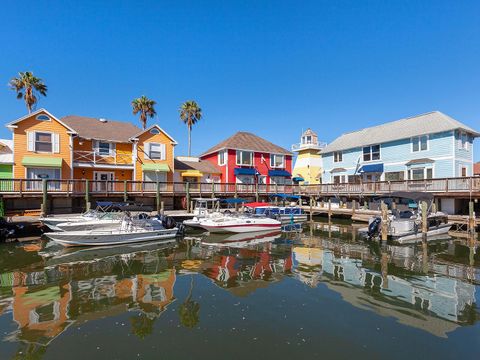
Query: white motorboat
(239,224)
(203,208)
(128,232)
(105,222)
(286,214)
(52,221)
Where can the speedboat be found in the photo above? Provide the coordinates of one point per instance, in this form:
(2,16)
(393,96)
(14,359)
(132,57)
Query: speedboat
(239,224)
(129,231)
(204,207)
(286,214)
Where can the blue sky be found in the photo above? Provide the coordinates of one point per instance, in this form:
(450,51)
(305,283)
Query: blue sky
(270,67)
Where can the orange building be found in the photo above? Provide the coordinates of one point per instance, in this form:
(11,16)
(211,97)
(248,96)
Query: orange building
(77,147)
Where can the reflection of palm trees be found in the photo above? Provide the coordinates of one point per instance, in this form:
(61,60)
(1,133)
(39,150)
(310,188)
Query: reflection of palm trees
(189,310)
(142,325)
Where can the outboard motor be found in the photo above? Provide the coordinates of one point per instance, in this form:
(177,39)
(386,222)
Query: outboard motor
(374,228)
(168,222)
(143,216)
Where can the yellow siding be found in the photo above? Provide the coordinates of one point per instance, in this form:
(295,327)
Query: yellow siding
(21,146)
(142,158)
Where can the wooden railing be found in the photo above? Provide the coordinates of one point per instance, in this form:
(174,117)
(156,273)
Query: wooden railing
(19,187)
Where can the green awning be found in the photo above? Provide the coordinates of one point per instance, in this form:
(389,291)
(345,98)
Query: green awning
(156,167)
(42,161)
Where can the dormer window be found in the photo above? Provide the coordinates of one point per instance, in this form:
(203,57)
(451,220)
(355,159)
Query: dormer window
(42,117)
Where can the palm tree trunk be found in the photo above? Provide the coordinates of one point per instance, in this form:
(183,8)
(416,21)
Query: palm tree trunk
(189,139)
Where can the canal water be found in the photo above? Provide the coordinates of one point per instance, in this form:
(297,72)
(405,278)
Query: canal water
(317,292)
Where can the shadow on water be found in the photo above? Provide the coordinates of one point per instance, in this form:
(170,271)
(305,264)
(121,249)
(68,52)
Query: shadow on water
(46,290)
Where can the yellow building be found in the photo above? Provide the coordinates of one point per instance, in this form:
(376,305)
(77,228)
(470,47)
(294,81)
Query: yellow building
(308,165)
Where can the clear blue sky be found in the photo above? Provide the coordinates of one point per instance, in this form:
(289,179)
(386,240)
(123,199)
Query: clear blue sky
(270,67)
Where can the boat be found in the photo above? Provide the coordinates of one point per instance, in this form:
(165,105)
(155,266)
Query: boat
(239,224)
(210,208)
(129,231)
(286,214)
(406,226)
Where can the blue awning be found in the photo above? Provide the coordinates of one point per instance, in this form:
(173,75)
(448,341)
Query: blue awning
(298,179)
(245,171)
(279,173)
(372,168)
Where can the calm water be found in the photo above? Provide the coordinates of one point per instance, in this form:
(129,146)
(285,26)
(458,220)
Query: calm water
(321,293)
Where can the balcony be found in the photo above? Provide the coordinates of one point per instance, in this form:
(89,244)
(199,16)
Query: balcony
(304,146)
(93,158)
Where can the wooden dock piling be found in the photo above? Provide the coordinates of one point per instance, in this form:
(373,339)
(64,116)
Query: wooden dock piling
(384,209)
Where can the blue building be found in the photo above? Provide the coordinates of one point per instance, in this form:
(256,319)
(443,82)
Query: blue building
(431,145)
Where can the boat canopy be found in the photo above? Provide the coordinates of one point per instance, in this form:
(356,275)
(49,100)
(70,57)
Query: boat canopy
(245,171)
(371,168)
(257,204)
(206,199)
(285,196)
(233,201)
(279,173)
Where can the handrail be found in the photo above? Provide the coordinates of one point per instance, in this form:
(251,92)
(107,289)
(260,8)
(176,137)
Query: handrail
(114,157)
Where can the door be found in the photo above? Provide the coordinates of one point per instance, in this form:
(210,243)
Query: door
(102,181)
(154,177)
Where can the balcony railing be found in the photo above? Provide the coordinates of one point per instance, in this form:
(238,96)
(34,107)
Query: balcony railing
(114,157)
(20,187)
(300,146)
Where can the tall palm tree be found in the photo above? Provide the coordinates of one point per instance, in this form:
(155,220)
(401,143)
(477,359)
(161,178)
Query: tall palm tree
(28,87)
(146,108)
(189,310)
(190,113)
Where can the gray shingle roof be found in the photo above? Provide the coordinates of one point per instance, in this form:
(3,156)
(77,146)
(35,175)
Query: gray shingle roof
(429,123)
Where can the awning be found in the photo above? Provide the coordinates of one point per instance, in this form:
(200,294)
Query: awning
(191,173)
(42,161)
(298,179)
(155,167)
(372,168)
(279,173)
(245,171)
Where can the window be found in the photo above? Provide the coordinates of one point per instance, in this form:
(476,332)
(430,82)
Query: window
(42,117)
(395,176)
(154,131)
(464,140)
(244,158)
(277,161)
(222,157)
(420,143)
(354,179)
(156,152)
(463,171)
(43,142)
(103,148)
(278,180)
(420,174)
(307,139)
(337,156)
(371,153)
(262,179)
(338,179)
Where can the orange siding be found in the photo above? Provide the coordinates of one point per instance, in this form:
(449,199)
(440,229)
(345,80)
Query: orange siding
(142,158)
(21,147)
(87,173)
(84,152)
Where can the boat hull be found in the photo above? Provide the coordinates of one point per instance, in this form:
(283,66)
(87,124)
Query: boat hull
(412,237)
(89,225)
(105,237)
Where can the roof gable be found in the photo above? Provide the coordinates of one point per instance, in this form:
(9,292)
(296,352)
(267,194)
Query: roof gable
(248,141)
(429,123)
(152,127)
(109,130)
(13,124)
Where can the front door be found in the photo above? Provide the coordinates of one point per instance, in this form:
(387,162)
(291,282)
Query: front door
(102,180)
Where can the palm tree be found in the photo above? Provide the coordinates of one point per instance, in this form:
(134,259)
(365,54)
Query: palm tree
(146,108)
(189,310)
(190,113)
(29,87)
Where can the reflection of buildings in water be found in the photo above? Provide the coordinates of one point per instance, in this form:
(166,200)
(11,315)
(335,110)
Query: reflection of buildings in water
(246,270)
(446,299)
(42,312)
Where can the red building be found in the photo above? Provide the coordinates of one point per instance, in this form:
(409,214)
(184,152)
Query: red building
(245,158)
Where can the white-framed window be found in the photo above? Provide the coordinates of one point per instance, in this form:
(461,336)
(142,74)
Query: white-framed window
(463,171)
(245,179)
(156,151)
(420,173)
(277,161)
(371,153)
(222,157)
(464,140)
(338,179)
(44,142)
(420,143)
(307,139)
(278,180)
(337,156)
(103,148)
(244,158)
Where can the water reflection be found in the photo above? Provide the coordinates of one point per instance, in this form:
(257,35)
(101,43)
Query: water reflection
(45,289)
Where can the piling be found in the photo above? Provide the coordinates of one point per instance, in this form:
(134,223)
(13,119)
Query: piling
(187,196)
(44,197)
(125,193)
(329,210)
(158,199)
(256,192)
(423,206)
(384,269)
(213,189)
(87,195)
(384,221)
(162,207)
(354,205)
(471,218)
(311,210)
